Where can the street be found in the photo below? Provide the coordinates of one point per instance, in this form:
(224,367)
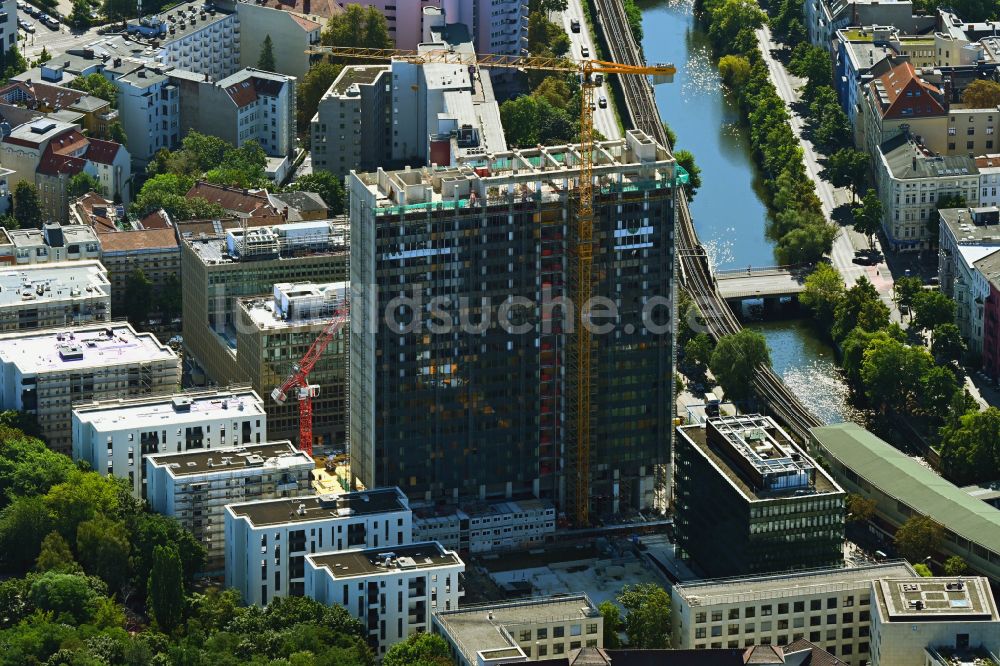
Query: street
(605,121)
(847,240)
(56,41)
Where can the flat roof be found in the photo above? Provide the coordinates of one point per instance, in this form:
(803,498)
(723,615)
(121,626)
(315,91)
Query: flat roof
(394,559)
(729,465)
(321,507)
(965,231)
(38,283)
(179,408)
(270,456)
(296,304)
(477,628)
(768,586)
(70,233)
(85,347)
(191,13)
(900,477)
(215,251)
(354,75)
(965,598)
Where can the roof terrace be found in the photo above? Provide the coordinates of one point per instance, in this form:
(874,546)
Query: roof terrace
(321,507)
(374,561)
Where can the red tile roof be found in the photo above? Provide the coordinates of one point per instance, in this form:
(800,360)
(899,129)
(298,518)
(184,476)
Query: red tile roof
(906,95)
(239,202)
(102,152)
(68,143)
(40,94)
(54,164)
(88,203)
(156,220)
(322,8)
(246,92)
(142,239)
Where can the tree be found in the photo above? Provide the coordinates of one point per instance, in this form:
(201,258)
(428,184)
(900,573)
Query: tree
(81,497)
(860,508)
(98,86)
(847,168)
(892,372)
(686,160)
(71,598)
(932,309)
(698,351)
(937,388)
(138,297)
(420,649)
(982,94)
(970,445)
(813,64)
(955,566)
(548,6)
(327,186)
(117,10)
(311,89)
(358,27)
(868,216)
(729,18)
(833,129)
(44,56)
(243,167)
(150,530)
(735,362)
(266,60)
(861,306)
(27,466)
(169,301)
(612,624)
(27,205)
(923,570)
(824,289)
(647,623)
(81,183)
(103,545)
(806,244)
(947,345)
(116,133)
(734,70)
(23,526)
(55,555)
(13,63)
(529,120)
(906,289)
(79,17)
(918,538)
(166,588)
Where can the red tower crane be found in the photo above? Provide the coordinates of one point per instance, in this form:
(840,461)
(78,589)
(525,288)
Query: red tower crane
(297,382)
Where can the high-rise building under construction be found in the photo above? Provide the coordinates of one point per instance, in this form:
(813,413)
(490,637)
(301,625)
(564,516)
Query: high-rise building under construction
(463,375)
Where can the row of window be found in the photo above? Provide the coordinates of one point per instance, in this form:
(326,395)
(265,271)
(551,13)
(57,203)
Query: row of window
(783,608)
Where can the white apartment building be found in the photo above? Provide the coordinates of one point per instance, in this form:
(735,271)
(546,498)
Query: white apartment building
(45,373)
(62,294)
(200,39)
(483,528)
(53,243)
(393,591)
(267,541)
(195,486)
(965,236)
(352,128)
(520,631)
(148,105)
(115,436)
(989,180)
(8,24)
(828,607)
(934,621)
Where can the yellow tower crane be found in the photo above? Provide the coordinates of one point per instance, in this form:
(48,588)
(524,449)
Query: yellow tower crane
(583,249)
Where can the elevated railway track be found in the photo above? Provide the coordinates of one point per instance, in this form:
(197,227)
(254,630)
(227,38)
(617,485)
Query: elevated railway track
(693,266)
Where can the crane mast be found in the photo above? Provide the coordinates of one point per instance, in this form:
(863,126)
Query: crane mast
(582,249)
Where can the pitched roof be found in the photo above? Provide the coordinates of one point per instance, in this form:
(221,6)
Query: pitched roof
(247,90)
(710,657)
(103,152)
(900,93)
(322,8)
(40,94)
(158,219)
(308,202)
(54,164)
(764,654)
(236,201)
(141,239)
(67,143)
(88,205)
(817,655)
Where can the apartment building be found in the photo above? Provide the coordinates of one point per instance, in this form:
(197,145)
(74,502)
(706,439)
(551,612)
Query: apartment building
(292,31)
(63,294)
(911,180)
(274,334)
(220,268)
(393,590)
(45,373)
(8,24)
(501,227)
(902,487)
(352,128)
(267,541)
(116,435)
(195,486)
(934,621)
(91,113)
(966,236)
(988,271)
(155,252)
(828,607)
(824,17)
(487,527)
(200,38)
(53,243)
(901,102)
(519,631)
(743,482)
(148,104)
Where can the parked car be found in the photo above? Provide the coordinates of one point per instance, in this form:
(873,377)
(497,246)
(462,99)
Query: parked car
(21,5)
(51,21)
(602,102)
(33,11)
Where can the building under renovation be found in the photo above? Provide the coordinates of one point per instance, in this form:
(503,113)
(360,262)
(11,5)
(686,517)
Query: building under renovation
(468,389)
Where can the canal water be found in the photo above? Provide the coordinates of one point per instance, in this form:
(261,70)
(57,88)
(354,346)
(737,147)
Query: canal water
(728,211)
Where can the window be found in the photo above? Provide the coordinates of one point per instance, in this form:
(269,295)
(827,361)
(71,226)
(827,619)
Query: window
(831,602)
(814,637)
(815,621)
(716,632)
(765,610)
(558,632)
(592,628)
(734,613)
(734,629)
(699,617)
(816,604)
(749,611)
(847,632)
(699,632)
(782,609)
(542,633)
(717,616)
(575,629)
(799,606)
(525,635)
(970,144)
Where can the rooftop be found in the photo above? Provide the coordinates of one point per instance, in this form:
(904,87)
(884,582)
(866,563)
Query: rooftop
(180,409)
(918,599)
(267,457)
(321,507)
(38,283)
(283,241)
(973,226)
(184,19)
(817,581)
(897,475)
(907,159)
(247,85)
(296,304)
(37,132)
(478,628)
(395,559)
(758,458)
(900,93)
(352,76)
(129,242)
(84,347)
(52,236)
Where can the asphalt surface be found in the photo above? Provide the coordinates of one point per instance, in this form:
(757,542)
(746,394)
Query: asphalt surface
(604,119)
(56,41)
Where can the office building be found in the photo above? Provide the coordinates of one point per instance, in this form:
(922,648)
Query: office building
(275,333)
(63,294)
(934,621)
(519,631)
(965,237)
(902,487)
(829,607)
(485,527)
(453,404)
(748,500)
(115,435)
(220,268)
(393,590)
(267,541)
(53,243)
(195,486)
(911,180)
(45,373)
